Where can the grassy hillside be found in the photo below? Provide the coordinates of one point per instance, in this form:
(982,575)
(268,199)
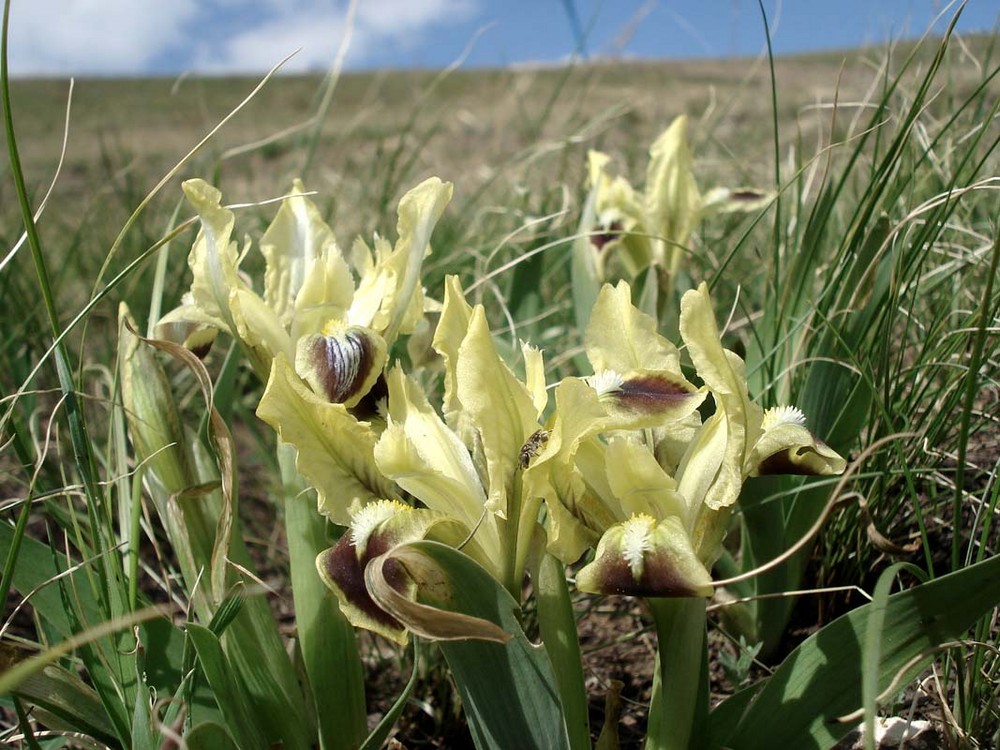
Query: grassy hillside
(494,133)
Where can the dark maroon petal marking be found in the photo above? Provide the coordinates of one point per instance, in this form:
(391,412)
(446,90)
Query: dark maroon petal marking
(650,393)
(660,576)
(340,364)
(606,235)
(201,350)
(792,461)
(746,194)
(343,567)
(367,408)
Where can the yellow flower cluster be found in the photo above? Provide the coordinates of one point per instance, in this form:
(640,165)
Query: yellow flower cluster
(633,460)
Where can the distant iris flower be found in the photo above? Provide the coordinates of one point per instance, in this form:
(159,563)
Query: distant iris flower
(653,227)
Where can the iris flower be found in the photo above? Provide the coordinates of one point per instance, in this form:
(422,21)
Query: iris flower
(631,468)
(309,288)
(461,473)
(653,227)
(320,332)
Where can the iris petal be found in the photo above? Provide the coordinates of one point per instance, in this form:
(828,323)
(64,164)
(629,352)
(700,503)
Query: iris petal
(643,557)
(341,366)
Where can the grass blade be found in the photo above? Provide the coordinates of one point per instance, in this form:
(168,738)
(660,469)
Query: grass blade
(820,681)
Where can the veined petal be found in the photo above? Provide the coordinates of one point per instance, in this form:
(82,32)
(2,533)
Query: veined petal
(428,460)
(567,536)
(376,282)
(724,374)
(591,461)
(451,330)
(500,407)
(709,532)
(298,245)
(260,330)
(569,473)
(342,363)
(419,211)
(787,447)
(704,464)
(335,450)
(672,439)
(389,298)
(214,257)
(574,519)
(639,483)
(672,201)
(643,557)
(326,293)
(375,530)
(578,414)
(576,515)
(621,338)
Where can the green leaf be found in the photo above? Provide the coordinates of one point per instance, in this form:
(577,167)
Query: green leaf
(210,736)
(508,689)
(678,706)
(62,695)
(327,641)
(241,718)
(586,282)
(873,646)
(144,733)
(557,624)
(37,564)
(65,605)
(821,679)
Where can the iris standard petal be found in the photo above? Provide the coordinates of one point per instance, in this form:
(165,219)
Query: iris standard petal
(621,338)
(724,374)
(213,258)
(672,201)
(424,457)
(305,269)
(499,407)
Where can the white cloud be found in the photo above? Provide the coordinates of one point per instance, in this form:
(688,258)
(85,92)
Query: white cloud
(263,46)
(55,37)
(317,29)
(131,37)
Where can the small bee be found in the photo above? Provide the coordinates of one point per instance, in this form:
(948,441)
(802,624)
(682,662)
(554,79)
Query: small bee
(531,447)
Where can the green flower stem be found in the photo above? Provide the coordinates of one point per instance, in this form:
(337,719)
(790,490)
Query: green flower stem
(679,706)
(557,623)
(510,530)
(326,639)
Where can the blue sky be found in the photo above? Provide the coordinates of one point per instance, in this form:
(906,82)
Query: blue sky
(169,37)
